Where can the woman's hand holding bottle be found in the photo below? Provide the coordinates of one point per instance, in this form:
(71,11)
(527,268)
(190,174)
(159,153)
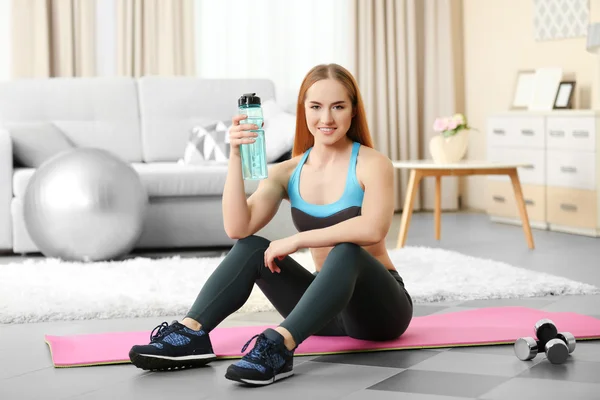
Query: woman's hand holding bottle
(241,134)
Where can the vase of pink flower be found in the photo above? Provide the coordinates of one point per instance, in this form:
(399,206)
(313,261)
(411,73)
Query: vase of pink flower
(451,144)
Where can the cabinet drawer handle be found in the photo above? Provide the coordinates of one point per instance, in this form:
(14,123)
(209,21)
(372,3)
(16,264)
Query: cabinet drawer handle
(568,169)
(581,134)
(529,202)
(499,199)
(568,207)
(499,132)
(529,167)
(527,132)
(557,133)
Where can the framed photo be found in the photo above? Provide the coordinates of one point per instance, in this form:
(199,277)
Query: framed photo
(524,89)
(547,80)
(564,95)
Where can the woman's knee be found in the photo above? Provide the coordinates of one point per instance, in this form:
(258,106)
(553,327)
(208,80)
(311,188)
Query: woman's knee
(249,252)
(343,254)
(345,250)
(254,241)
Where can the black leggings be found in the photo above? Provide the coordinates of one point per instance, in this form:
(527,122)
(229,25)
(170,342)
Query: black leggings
(353,294)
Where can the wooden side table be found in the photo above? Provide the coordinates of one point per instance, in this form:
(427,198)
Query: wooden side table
(424,168)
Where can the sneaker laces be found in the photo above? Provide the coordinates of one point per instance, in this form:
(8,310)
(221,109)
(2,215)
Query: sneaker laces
(262,351)
(163,330)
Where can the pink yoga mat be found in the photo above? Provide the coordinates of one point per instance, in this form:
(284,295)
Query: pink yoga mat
(487,326)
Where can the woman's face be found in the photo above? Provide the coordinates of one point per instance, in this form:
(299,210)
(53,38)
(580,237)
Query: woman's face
(328,111)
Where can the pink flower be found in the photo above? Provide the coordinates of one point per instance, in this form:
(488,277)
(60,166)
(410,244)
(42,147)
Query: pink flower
(452,124)
(440,124)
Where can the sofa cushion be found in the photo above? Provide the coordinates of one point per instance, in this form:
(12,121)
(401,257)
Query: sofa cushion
(170,106)
(35,142)
(280,130)
(6,173)
(21,177)
(208,143)
(98,112)
(163,179)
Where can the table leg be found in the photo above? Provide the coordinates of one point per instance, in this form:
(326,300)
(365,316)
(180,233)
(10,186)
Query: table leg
(516,184)
(411,191)
(438,207)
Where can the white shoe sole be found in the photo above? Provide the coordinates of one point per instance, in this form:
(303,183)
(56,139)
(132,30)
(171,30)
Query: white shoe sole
(265,382)
(153,362)
(184,358)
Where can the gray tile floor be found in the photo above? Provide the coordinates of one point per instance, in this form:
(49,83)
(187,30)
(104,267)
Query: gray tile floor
(489,372)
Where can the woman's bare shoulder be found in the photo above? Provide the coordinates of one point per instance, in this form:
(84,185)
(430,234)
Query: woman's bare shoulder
(372,166)
(283,170)
(371,158)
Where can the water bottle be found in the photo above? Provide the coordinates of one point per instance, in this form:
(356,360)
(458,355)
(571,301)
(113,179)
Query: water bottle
(253,155)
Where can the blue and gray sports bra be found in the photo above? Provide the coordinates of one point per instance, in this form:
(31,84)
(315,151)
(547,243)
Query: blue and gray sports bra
(307,216)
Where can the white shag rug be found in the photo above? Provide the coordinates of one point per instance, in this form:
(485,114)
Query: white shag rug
(52,290)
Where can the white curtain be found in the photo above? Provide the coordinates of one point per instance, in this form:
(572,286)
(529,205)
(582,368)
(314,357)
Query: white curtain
(408,71)
(53,38)
(275,39)
(5,44)
(155,37)
(106,37)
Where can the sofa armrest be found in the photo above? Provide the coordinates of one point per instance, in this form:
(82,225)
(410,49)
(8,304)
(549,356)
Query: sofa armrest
(6,190)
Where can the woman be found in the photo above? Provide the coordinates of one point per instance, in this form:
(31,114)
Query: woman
(340,190)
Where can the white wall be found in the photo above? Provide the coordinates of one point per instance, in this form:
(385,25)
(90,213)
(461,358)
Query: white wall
(275,39)
(5,45)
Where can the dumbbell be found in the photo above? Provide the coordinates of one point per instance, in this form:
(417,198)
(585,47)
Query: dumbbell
(569,339)
(557,349)
(545,330)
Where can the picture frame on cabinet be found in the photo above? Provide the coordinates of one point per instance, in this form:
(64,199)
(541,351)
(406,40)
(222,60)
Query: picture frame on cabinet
(564,95)
(547,80)
(524,88)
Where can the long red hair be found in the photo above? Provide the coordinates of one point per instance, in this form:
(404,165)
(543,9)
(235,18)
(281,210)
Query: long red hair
(359,129)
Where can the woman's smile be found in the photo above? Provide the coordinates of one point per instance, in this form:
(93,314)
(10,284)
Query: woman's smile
(327,131)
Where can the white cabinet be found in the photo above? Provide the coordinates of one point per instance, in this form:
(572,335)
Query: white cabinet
(560,187)
(519,132)
(571,133)
(571,169)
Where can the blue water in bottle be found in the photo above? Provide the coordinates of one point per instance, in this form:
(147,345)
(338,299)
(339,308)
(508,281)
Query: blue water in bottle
(253,155)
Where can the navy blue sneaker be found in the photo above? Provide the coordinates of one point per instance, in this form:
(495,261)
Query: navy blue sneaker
(172,347)
(267,362)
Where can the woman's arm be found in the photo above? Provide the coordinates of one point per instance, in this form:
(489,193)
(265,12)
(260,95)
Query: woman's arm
(244,217)
(376,216)
(236,213)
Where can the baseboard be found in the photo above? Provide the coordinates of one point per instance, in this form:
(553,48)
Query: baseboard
(577,231)
(548,226)
(517,221)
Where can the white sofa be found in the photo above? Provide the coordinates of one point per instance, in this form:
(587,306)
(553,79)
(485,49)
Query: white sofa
(146,122)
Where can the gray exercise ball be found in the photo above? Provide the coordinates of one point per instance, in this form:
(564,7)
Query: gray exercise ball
(85,204)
